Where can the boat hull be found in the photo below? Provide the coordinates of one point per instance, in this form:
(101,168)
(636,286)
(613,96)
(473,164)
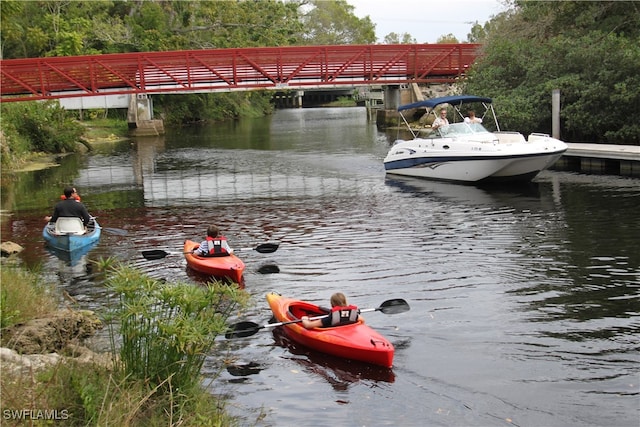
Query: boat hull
(71,242)
(355,341)
(444,160)
(531,156)
(485,161)
(225,267)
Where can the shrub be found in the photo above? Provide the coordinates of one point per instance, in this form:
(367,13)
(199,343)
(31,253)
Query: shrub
(167,329)
(42,126)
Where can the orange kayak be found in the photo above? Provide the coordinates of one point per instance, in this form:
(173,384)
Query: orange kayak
(356,341)
(230,267)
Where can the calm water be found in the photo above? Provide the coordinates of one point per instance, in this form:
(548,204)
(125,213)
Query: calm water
(524,301)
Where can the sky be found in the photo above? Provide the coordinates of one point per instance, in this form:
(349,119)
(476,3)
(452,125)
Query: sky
(426,20)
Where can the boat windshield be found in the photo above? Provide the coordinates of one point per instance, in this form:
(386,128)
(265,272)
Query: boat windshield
(458,129)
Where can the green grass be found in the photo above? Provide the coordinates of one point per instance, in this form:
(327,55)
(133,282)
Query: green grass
(23,295)
(105,128)
(161,334)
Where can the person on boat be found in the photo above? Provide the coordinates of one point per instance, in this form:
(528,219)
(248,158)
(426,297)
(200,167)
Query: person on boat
(440,121)
(472,118)
(71,206)
(214,245)
(341,314)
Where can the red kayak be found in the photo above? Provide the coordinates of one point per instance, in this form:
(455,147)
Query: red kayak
(230,266)
(355,341)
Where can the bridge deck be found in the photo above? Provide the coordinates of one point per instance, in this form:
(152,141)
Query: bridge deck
(292,67)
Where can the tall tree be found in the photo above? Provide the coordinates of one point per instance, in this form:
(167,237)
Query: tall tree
(590,51)
(447,38)
(478,33)
(50,28)
(331,22)
(404,38)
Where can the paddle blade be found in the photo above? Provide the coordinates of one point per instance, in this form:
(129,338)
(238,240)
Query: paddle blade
(116,231)
(154,254)
(242,329)
(394,306)
(267,248)
(269,269)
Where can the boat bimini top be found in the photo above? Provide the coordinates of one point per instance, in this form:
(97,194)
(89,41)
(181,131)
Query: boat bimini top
(456,101)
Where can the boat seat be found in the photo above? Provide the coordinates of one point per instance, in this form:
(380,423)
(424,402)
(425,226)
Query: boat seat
(69,225)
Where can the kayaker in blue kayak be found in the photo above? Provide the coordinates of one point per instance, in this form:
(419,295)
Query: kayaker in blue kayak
(341,314)
(214,245)
(70,206)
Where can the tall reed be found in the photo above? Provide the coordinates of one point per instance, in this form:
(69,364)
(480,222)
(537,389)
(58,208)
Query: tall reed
(167,329)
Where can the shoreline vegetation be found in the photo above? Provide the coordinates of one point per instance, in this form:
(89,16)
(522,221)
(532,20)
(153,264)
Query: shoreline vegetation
(93,131)
(151,376)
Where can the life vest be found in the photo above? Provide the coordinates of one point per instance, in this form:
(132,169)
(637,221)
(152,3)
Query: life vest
(215,246)
(343,315)
(76,197)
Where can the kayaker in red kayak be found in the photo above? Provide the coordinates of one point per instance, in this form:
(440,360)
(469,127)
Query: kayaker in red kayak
(341,314)
(214,245)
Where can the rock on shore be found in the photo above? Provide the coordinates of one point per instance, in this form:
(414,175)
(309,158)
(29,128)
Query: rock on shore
(44,342)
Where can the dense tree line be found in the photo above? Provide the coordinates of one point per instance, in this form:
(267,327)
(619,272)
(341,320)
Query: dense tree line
(588,50)
(64,28)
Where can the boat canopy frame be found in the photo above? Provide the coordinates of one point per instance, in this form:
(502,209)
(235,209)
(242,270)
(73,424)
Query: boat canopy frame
(456,101)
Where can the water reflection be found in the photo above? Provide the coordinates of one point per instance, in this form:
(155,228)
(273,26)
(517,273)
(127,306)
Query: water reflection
(340,373)
(455,193)
(73,258)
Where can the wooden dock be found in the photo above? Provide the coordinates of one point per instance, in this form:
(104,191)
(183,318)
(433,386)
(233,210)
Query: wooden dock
(608,159)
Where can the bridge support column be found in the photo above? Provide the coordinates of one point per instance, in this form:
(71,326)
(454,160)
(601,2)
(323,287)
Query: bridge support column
(389,115)
(291,99)
(140,117)
(297,103)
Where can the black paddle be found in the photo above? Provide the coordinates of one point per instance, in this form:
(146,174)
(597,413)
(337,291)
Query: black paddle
(246,329)
(116,231)
(265,248)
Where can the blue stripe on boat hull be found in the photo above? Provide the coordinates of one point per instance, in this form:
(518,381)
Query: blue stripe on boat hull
(434,162)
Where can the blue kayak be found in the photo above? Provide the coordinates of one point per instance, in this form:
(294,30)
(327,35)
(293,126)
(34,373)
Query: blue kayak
(69,235)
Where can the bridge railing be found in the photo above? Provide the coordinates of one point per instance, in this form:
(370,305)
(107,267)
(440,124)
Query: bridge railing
(294,67)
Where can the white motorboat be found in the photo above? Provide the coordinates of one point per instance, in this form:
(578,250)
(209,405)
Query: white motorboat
(468,152)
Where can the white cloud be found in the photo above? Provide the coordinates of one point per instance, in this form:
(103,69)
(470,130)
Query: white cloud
(426,20)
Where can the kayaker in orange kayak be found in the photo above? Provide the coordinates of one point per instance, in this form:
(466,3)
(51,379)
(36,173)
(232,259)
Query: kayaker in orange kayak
(214,245)
(341,314)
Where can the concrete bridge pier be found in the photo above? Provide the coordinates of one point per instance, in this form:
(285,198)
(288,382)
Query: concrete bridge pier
(140,117)
(388,116)
(289,99)
(394,97)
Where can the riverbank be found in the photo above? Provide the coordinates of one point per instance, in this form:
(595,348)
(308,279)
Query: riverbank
(48,374)
(96,132)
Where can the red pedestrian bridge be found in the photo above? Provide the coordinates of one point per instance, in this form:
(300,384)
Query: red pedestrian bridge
(224,70)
